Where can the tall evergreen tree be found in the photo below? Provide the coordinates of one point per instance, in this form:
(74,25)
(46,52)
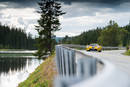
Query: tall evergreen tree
(15,38)
(50,10)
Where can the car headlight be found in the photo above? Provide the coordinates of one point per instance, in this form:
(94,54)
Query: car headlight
(98,46)
(87,46)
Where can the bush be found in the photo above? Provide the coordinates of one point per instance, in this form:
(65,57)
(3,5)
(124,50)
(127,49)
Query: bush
(127,52)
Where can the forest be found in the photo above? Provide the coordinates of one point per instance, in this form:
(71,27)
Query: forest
(110,35)
(15,38)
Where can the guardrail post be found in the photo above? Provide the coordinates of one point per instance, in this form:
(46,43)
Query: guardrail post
(63,61)
(58,59)
(67,62)
(72,62)
(86,67)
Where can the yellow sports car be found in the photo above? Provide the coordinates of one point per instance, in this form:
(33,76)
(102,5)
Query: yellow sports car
(94,47)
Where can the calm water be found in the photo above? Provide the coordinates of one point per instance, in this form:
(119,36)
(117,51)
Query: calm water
(16,70)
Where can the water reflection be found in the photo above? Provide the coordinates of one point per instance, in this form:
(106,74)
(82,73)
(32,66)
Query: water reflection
(15,70)
(13,64)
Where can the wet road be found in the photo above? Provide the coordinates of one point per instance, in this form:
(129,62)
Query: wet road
(116,57)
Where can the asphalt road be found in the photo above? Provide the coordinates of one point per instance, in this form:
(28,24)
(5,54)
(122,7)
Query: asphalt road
(116,57)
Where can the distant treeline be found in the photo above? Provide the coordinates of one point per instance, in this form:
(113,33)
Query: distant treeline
(111,35)
(15,38)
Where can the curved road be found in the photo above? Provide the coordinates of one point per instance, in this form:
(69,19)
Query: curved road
(114,56)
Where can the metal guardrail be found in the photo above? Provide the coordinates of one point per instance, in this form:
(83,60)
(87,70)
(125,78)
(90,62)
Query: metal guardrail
(79,70)
(104,47)
(70,70)
(65,61)
(113,48)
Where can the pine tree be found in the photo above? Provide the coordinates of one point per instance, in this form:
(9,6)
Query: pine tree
(48,23)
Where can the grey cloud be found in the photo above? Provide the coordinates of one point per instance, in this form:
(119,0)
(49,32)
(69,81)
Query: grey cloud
(90,7)
(20,20)
(33,3)
(33,21)
(19,3)
(97,1)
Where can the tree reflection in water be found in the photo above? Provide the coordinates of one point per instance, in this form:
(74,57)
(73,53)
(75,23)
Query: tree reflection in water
(13,64)
(15,70)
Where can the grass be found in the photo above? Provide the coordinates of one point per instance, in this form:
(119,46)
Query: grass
(43,76)
(12,49)
(127,52)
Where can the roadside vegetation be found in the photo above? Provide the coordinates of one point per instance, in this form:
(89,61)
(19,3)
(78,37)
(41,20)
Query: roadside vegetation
(49,22)
(127,52)
(110,35)
(43,76)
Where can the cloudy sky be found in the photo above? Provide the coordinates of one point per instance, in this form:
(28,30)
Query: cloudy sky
(81,15)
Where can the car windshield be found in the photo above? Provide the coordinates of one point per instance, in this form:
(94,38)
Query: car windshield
(93,44)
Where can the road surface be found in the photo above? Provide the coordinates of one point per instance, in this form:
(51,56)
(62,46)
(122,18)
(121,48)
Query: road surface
(114,56)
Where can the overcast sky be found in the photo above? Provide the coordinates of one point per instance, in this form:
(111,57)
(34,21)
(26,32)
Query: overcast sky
(81,15)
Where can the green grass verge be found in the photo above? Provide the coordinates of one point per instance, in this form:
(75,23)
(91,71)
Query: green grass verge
(12,49)
(127,52)
(43,76)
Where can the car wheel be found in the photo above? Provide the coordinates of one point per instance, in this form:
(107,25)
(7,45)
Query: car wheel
(99,51)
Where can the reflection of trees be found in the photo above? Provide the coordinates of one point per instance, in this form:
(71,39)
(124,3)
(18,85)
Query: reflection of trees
(13,64)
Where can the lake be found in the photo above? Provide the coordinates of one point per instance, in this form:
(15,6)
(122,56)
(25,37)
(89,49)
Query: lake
(14,70)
